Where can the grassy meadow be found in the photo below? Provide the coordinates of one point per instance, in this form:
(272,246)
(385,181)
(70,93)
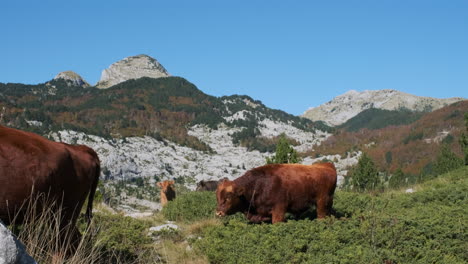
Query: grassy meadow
(427,226)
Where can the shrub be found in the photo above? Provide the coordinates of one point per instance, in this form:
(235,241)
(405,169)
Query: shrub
(121,238)
(191,206)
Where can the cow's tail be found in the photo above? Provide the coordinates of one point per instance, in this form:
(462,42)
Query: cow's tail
(92,192)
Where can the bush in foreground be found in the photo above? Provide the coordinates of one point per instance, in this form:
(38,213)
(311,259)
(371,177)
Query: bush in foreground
(191,207)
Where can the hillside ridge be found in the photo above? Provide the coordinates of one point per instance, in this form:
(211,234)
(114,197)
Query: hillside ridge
(345,106)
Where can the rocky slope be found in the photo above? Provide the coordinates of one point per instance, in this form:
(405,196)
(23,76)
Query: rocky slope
(72,79)
(133,67)
(348,105)
(135,157)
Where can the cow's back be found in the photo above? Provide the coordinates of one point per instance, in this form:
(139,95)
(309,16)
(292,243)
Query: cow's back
(29,162)
(296,185)
(304,180)
(207,185)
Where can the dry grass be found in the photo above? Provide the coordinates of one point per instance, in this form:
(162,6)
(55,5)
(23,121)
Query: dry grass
(179,252)
(197,227)
(46,241)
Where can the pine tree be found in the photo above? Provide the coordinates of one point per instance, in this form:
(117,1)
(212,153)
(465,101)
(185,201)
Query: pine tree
(365,175)
(464,140)
(397,179)
(285,153)
(446,161)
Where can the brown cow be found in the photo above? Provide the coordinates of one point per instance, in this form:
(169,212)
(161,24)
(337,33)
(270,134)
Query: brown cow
(31,165)
(266,193)
(167,191)
(209,185)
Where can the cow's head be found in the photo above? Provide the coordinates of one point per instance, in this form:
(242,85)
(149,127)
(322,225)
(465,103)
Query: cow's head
(228,196)
(200,185)
(166,185)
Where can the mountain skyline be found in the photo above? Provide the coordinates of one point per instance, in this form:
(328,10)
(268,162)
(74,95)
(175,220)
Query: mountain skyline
(351,103)
(289,56)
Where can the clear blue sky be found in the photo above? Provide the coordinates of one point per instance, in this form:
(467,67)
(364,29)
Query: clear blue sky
(291,55)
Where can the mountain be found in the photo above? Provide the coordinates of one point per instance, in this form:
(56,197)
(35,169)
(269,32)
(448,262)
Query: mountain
(72,79)
(413,147)
(133,67)
(345,106)
(164,127)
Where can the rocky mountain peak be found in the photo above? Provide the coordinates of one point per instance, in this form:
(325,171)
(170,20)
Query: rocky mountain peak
(72,79)
(133,67)
(343,107)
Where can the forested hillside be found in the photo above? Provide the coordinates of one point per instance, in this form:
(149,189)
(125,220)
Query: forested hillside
(413,147)
(162,108)
(375,118)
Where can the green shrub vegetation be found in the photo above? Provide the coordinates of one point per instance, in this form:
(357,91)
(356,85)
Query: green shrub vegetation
(121,238)
(191,206)
(375,118)
(428,226)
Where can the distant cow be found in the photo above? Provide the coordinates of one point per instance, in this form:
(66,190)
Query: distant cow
(266,193)
(31,165)
(167,191)
(208,185)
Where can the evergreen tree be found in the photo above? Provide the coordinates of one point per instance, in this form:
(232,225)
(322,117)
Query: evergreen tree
(397,179)
(365,175)
(464,140)
(446,161)
(285,153)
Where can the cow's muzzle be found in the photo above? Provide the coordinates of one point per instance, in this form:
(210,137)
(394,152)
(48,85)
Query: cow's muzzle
(219,213)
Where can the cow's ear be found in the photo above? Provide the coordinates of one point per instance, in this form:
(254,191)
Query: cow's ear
(171,182)
(159,184)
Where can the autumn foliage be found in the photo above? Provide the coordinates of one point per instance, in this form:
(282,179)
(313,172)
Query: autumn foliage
(413,148)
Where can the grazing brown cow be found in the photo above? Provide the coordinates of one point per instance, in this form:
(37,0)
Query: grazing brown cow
(167,191)
(209,185)
(32,166)
(266,193)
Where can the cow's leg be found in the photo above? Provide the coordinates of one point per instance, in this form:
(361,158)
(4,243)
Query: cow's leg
(323,206)
(278,213)
(256,218)
(330,205)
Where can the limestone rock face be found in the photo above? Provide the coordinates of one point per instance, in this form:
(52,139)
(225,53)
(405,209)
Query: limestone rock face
(72,79)
(348,105)
(12,251)
(131,68)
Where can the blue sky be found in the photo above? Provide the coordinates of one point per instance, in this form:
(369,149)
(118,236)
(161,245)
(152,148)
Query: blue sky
(291,55)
